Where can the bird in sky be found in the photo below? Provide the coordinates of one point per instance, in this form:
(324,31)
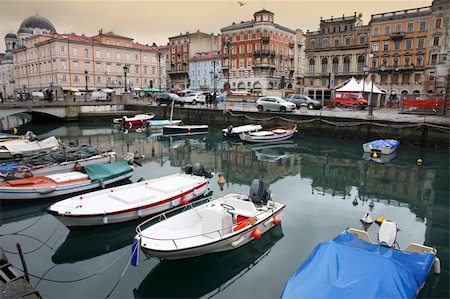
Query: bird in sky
(241,3)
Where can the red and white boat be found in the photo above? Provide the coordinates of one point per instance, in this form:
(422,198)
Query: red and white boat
(136,121)
(129,202)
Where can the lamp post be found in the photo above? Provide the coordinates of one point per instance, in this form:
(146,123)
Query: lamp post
(125,71)
(228,45)
(214,76)
(394,68)
(159,62)
(383,69)
(86,73)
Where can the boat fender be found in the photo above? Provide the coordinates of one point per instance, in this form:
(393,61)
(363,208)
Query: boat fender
(238,242)
(366,219)
(102,184)
(380,220)
(135,251)
(194,192)
(268,222)
(139,212)
(184,201)
(171,202)
(46,190)
(256,233)
(276,220)
(436,265)
(105,218)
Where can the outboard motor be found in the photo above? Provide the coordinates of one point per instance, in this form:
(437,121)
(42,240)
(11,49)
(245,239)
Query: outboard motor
(199,170)
(188,169)
(259,192)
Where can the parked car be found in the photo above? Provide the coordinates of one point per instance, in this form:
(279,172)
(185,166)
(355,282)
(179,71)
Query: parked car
(167,98)
(299,99)
(273,103)
(99,96)
(194,98)
(350,99)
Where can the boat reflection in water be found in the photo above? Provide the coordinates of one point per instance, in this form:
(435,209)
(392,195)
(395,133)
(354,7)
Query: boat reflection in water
(196,277)
(11,212)
(380,158)
(272,152)
(85,244)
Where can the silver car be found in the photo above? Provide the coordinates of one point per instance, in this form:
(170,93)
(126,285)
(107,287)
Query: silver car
(273,103)
(299,99)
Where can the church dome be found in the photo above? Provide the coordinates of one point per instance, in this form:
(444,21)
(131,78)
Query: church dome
(38,22)
(25,30)
(10,35)
(7,58)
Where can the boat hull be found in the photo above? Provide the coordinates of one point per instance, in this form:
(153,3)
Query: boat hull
(266,139)
(26,194)
(198,245)
(382,150)
(185,130)
(66,210)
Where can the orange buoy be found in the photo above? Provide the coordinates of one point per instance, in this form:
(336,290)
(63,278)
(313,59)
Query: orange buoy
(276,220)
(184,201)
(256,233)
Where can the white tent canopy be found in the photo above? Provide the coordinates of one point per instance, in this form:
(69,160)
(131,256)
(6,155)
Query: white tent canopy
(354,85)
(351,85)
(368,86)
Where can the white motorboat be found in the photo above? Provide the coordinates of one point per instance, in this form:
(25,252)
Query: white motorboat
(19,171)
(219,225)
(231,131)
(270,135)
(381,146)
(18,148)
(130,201)
(43,187)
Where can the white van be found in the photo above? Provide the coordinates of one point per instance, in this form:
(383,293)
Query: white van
(99,96)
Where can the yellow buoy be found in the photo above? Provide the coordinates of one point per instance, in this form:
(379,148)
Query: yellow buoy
(221,180)
(14,131)
(419,161)
(374,155)
(380,220)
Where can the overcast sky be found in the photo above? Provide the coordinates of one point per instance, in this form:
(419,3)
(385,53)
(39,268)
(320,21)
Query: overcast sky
(149,21)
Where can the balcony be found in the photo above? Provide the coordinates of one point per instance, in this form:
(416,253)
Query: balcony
(258,53)
(398,35)
(291,45)
(265,39)
(268,65)
(175,71)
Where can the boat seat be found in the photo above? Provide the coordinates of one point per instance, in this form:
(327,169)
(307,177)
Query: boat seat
(125,197)
(67,177)
(279,131)
(171,185)
(216,221)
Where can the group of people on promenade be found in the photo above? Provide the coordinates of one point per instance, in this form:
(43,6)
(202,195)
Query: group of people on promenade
(211,99)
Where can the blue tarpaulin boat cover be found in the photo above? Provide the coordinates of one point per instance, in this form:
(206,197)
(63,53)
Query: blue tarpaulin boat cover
(384,143)
(348,267)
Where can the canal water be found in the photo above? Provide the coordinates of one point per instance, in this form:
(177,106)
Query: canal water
(326,184)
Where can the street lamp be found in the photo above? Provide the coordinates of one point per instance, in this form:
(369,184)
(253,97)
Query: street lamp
(214,76)
(159,65)
(383,69)
(281,85)
(394,68)
(86,73)
(125,71)
(370,113)
(228,45)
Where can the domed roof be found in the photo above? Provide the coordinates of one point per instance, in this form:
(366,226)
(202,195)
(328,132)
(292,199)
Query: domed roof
(37,22)
(263,11)
(10,35)
(7,58)
(25,30)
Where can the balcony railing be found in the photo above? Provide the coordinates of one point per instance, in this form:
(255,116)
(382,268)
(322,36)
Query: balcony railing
(398,35)
(265,39)
(175,71)
(264,65)
(263,53)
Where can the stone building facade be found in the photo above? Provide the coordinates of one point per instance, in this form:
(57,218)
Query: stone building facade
(205,71)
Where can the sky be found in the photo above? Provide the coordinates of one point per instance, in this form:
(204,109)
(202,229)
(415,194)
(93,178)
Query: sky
(150,21)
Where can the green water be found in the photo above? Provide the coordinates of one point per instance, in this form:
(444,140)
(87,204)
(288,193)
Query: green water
(326,186)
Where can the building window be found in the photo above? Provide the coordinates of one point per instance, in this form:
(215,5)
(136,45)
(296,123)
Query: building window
(62,50)
(75,66)
(434,59)
(422,26)
(74,52)
(108,55)
(64,78)
(410,27)
(97,67)
(347,41)
(420,43)
(336,42)
(335,65)
(76,79)
(97,53)
(64,65)
(395,61)
(312,66)
(127,56)
(419,60)
(376,31)
(397,45)
(374,62)
(325,42)
(438,23)
(346,64)
(436,41)
(398,28)
(87,66)
(362,39)
(361,63)
(249,48)
(313,43)
(117,56)
(409,44)
(385,46)
(374,47)
(407,61)
(324,65)
(241,49)
(86,52)
(387,29)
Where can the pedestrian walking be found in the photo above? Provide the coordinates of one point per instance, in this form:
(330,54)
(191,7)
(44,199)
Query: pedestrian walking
(214,99)
(207,99)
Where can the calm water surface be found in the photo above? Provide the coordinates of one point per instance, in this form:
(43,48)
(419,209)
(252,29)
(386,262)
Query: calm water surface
(326,186)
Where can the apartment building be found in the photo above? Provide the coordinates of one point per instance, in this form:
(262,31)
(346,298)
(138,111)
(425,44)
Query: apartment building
(258,55)
(182,48)
(205,71)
